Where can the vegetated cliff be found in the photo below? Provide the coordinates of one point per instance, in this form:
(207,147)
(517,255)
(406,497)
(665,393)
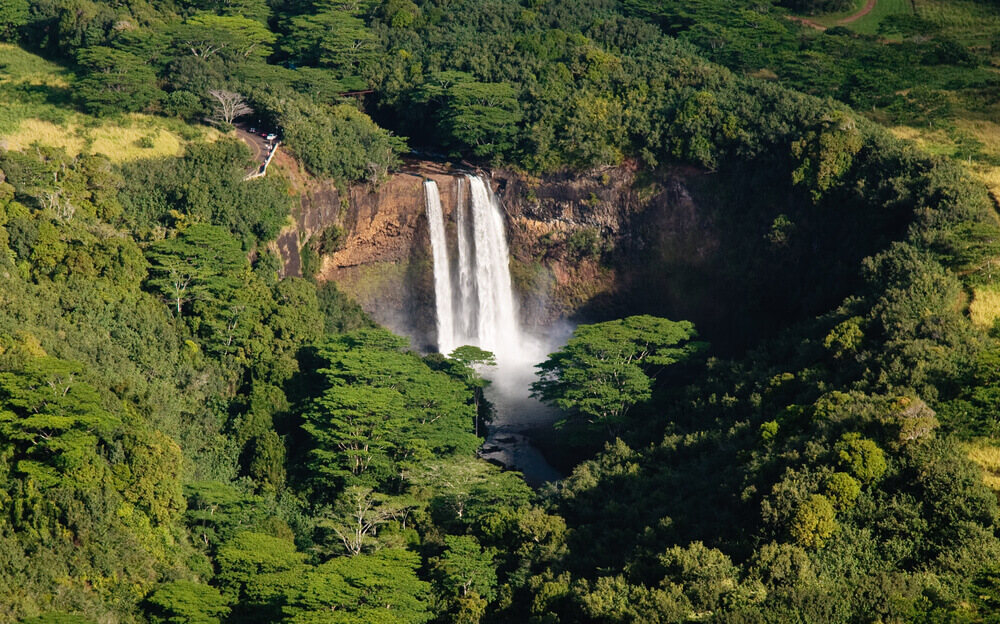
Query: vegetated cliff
(585,245)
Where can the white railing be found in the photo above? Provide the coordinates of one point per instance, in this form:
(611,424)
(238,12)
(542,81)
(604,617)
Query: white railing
(262,170)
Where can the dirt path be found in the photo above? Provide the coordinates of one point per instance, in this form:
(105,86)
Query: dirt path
(869,6)
(863,12)
(807,22)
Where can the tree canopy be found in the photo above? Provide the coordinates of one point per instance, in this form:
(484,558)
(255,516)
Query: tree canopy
(607,368)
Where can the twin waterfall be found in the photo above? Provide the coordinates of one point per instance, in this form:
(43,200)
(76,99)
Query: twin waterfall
(475,306)
(478,307)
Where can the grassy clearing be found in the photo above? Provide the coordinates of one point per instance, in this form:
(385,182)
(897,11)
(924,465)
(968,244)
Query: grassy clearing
(986,453)
(30,131)
(35,107)
(129,138)
(933,141)
(868,24)
(968,21)
(990,176)
(985,306)
(20,66)
(946,142)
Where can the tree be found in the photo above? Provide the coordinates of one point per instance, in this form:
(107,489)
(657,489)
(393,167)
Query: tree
(813,522)
(381,588)
(825,154)
(380,407)
(13,15)
(52,422)
(332,38)
(116,81)
(607,368)
(256,571)
(232,37)
(230,106)
(354,427)
(184,602)
(466,567)
(862,458)
(338,141)
(483,116)
(472,359)
(357,516)
(200,263)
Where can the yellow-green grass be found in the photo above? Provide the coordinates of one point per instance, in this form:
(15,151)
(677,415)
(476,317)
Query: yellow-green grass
(985,306)
(30,131)
(34,98)
(20,66)
(130,138)
(126,143)
(971,22)
(940,143)
(933,141)
(990,176)
(986,453)
(986,131)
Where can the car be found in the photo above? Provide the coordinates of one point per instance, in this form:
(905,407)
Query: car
(271,137)
(253,130)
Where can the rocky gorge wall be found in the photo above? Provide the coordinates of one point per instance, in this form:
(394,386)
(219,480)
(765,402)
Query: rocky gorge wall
(591,245)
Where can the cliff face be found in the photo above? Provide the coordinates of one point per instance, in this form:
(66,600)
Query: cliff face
(594,245)
(384,259)
(608,243)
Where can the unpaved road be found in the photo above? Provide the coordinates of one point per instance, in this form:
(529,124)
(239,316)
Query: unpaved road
(805,21)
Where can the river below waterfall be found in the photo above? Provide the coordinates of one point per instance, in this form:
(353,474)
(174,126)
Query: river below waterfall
(508,442)
(516,415)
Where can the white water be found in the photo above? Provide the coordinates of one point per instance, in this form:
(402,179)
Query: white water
(496,329)
(442,270)
(481,310)
(466,285)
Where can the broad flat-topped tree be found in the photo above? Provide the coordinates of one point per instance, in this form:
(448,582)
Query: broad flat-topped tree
(607,368)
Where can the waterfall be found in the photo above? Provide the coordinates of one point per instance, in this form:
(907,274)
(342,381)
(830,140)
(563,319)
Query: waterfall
(466,285)
(482,312)
(442,270)
(497,322)
(478,308)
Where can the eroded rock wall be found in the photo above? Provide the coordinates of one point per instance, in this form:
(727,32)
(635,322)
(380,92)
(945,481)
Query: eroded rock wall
(592,245)
(384,260)
(611,242)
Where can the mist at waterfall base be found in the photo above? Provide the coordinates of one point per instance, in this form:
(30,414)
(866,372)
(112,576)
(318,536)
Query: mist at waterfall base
(477,307)
(516,413)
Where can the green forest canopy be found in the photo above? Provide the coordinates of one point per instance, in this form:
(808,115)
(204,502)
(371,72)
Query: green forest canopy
(186,438)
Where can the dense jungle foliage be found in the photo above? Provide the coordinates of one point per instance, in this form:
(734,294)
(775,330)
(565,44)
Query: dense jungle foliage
(187,438)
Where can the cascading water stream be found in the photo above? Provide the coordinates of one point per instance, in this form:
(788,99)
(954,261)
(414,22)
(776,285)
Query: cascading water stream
(442,270)
(466,284)
(479,309)
(497,329)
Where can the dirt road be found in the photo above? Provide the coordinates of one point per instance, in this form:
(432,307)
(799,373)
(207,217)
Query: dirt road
(805,21)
